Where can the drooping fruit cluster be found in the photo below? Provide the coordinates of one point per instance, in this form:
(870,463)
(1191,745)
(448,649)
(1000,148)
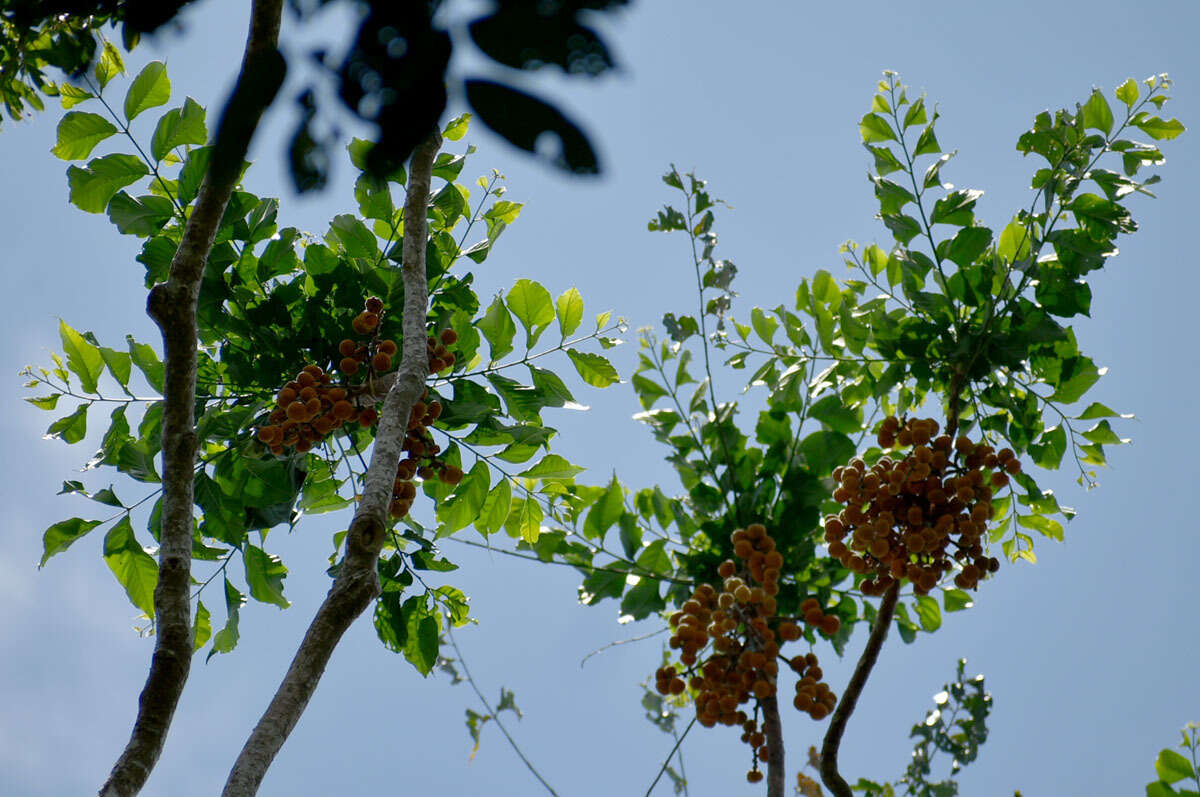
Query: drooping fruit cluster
(375,353)
(311,407)
(307,410)
(741,626)
(919,516)
(421,458)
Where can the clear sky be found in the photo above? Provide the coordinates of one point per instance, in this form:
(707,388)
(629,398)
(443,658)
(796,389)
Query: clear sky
(1091,655)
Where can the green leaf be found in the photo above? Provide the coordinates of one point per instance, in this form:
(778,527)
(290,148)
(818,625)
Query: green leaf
(71,428)
(1102,433)
(1127,92)
(826,450)
(374,198)
(142,217)
(145,358)
(61,535)
(874,128)
(45,402)
(460,509)
(1014,241)
(119,365)
(955,600)
(1157,128)
(966,246)
(109,65)
(354,236)
(1077,377)
(928,612)
(1160,789)
(149,89)
(1098,410)
(179,127)
(202,628)
(498,327)
(838,417)
(569,308)
(457,127)
(421,641)
(764,325)
(1096,113)
(552,467)
(79,133)
(1172,767)
(594,369)
(135,569)
(264,574)
(916,114)
(92,187)
(533,307)
(529,521)
(927,143)
(643,600)
(495,508)
(226,639)
(83,358)
(606,511)
(1046,526)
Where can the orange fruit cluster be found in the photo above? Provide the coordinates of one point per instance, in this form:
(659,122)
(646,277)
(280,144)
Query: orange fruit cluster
(813,695)
(311,407)
(745,635)
(422,457)
(378,353)
(307,410)
(919,516)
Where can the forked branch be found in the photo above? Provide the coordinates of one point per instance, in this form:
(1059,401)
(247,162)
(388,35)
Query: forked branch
(357,583)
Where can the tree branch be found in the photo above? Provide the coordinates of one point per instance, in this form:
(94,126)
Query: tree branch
(357,583)
(773,729)
(172,305)
(841,715)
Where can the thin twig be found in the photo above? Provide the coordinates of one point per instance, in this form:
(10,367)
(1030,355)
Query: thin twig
(492,712)
(667,761)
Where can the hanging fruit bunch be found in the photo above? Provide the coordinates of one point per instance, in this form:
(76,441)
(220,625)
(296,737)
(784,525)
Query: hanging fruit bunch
(921,515)
(729,645)
(312,406)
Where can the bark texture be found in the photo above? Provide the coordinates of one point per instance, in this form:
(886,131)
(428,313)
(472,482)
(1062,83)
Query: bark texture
(357,583)
(172,305)
(773,729)
(833,780)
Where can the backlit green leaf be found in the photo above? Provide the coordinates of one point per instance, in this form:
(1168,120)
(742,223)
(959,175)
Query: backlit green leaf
(264,575)
(92,187)
(109,65)
(594,369)
(928,613)
(71,428)
(530,302)
(552,467)
(135,569)
(149,89)
(61,535)
(79,133)
(498,327)
(495,508)
(569,308)
(1127,92)
(1096,113)
(202,628)
(178,127)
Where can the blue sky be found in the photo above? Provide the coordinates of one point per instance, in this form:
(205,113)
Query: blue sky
(1090,655)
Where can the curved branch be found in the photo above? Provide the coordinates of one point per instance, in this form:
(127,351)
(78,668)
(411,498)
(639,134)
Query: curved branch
(357,583)
(172,305)
(833,780)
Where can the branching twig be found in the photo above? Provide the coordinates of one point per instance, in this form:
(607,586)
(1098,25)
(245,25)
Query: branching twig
(667,761)
(172,305)
(492,712)
(357,583)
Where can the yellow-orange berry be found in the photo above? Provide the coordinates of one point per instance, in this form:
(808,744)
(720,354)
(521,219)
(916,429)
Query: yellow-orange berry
(381,362)
(388,347)
(348,366)
(368,416)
